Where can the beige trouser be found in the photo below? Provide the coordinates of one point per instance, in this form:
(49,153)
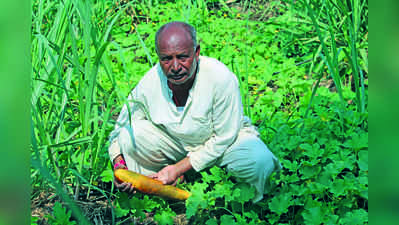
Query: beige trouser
(147,149)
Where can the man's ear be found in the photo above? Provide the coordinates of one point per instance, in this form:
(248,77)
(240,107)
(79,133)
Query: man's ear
(197,51)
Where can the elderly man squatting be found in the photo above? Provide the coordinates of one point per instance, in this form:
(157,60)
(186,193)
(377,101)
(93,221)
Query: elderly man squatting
(186,113)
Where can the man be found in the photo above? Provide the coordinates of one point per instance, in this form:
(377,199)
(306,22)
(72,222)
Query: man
(186,113)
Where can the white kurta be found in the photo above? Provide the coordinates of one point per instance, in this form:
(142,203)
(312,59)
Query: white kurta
(205,129)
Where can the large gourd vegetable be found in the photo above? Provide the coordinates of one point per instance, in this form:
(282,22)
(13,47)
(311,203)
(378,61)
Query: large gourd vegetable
(150,186)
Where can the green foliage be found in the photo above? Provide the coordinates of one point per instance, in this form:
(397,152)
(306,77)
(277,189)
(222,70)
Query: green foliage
(60,216)
(165,217)
(218,194)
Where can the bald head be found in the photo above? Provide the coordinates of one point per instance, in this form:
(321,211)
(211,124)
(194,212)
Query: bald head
(176,32)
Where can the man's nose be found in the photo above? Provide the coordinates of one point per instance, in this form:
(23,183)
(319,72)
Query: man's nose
(175,66)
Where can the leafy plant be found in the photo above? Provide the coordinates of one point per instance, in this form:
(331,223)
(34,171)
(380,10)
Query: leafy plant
(60,216)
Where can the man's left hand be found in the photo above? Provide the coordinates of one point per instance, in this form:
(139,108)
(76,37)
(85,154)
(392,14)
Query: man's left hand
(168,175)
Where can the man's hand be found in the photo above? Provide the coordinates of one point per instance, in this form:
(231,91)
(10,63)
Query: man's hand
(127,187)
(170,173)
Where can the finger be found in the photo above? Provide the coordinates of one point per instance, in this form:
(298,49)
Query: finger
(164,181)
(131,189)
(153,176)
(125,187)
(116,183)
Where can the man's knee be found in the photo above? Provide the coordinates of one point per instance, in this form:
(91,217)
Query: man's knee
(252,159)
(138,131)
(126,140)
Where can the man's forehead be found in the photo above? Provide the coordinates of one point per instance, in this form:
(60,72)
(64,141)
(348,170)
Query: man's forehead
(173,33)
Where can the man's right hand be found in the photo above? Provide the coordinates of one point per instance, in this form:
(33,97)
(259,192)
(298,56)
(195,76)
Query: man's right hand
(126,187)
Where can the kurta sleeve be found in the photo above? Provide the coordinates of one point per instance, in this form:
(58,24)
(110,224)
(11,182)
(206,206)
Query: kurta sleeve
(131,109)
(227,117)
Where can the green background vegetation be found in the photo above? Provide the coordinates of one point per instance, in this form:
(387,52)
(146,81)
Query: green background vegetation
(303,71)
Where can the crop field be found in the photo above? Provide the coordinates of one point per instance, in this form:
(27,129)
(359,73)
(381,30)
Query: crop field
(303,72)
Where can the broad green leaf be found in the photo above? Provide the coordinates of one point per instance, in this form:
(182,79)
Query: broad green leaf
(251,215)
(216,175)
(165,217)
(316,188)
(222,190)
(313,215)
(355,217)
(120,212)
(332,220)
(290,165)
(211,221)
(198,199)
(363,161)
(142,205)
(313,151)
(107,175)
(358,141)
(61,216)
(227,220)
(279,204)
(338,187)
(309,171)
(123,200)
(297,189)
(247,192)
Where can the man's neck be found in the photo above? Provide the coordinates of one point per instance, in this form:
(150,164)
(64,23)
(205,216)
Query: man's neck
(180,92)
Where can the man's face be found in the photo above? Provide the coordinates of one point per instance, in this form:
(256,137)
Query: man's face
(177,56)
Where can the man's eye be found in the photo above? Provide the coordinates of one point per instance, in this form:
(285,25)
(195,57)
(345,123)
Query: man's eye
(166,58)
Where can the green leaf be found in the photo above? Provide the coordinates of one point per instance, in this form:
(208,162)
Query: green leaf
(290,178)
(197,200)
(280,203)
(247,192)
(251,215)
(290,165)
(120,212)
(309,171)
(61,216)
(138,206)
(211,221)
(358,141)
(312,151)
(363,161)
(216,175)
(227,220)
(313,215)
(338,187)
(297,189)
(107,175)
(359,216)
(33,220)
(123,200)
(222,190)
(332,220)
(165,217)
(316,188)
(333,169)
